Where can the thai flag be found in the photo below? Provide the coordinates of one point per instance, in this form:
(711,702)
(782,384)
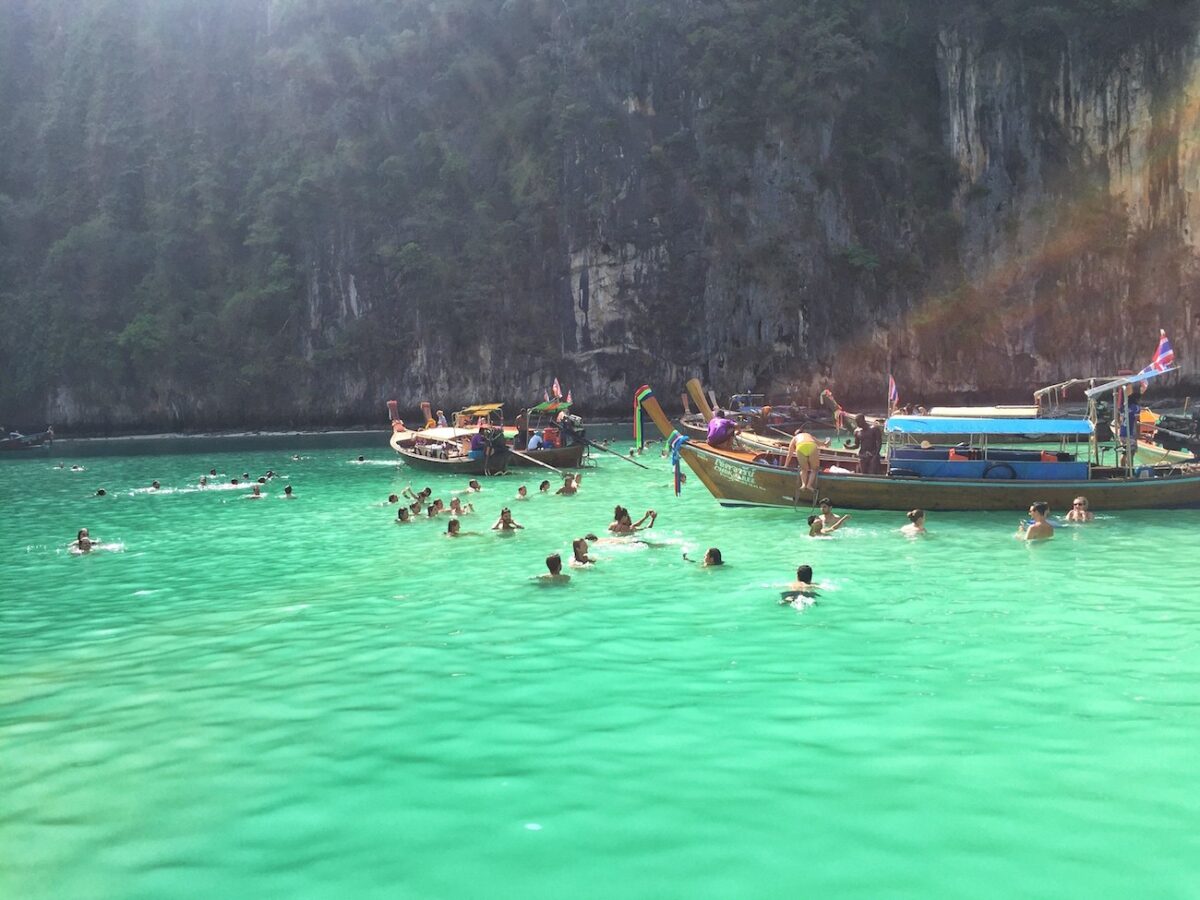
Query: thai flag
(556,390)
(893,394)
(1164,355)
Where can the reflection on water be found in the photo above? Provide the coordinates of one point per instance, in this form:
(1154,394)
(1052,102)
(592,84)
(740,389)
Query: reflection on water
(303,699)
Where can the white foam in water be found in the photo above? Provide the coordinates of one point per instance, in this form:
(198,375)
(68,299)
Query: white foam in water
(144,593)
(532,826)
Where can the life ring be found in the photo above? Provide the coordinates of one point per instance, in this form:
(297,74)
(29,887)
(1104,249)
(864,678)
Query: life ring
(992,467)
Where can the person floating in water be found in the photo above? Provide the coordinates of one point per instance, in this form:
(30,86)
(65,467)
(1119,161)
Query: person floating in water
(287,493)
(828,519)
(457,508)
(579,553)
(522,493)
(817,528)
(916,522)
(544,487)
(1037,528)
(403,516)
(555,574)
(83,543)
(623,523)
(203,481)
(868,441)
(361,459)
(712,557)
(505,522)
(1079,511)
(800,589)
(570,485)
(101,493)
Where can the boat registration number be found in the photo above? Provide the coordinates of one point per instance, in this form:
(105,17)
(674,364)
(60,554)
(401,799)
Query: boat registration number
(732,472)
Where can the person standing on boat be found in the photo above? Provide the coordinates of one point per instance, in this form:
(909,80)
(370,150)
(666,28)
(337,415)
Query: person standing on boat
(1038,528)
(441,418)
(868,441)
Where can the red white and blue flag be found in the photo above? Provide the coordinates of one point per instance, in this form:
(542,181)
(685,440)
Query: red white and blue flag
(556,390)
(569,400)
(1164,355)
(893,394)
(546,394)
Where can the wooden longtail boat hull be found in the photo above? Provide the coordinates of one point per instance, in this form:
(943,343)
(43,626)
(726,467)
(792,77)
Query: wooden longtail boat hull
(738,478)
(492,465)
(570,457)
(735,479)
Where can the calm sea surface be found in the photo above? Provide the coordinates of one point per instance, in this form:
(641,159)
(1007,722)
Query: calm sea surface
(303,699)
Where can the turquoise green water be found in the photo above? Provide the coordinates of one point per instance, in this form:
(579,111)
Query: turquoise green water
(301,698)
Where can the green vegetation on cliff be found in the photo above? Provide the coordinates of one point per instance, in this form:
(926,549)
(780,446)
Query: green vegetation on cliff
(279,210)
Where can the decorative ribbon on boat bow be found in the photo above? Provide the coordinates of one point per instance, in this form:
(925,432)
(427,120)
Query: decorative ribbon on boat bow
(643,393)
(675,443)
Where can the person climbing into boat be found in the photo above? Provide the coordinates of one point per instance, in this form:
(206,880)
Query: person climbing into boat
(816,526)
(916,522)
(473,487)
(154,485)
(101,492)
(721,432)
(555,573)
(828,519)
(1079,511)
(579,553)
(479,446)
(806,450)
(452,528)
(505,522)
(1037,528)
(544,487)
(868,441)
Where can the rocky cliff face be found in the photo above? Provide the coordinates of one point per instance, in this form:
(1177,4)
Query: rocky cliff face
(975,217)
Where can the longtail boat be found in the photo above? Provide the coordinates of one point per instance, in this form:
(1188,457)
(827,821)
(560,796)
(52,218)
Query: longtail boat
(978,477)
(18,441)
(553,420)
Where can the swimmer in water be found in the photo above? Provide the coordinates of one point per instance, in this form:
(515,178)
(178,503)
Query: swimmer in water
(154,485)
(916,523)
(556,575)
(505,522)
(83,543)
(1037,528)
(570,485)
(801,587)
(579,553)
(437,507)
(816,526)
(544,487)
(255,494)
(1079,511)
(473,487)
(522,493)
(712,557)
(203,481)
(78,469)
(828,519)
(393,498)
(403,516)
(287,493)
(457,508)
(233,481)
(101,493)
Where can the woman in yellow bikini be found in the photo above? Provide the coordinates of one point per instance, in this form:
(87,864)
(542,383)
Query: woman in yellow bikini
(807,451)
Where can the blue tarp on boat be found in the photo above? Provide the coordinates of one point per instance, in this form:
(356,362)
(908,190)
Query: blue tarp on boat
(947,425)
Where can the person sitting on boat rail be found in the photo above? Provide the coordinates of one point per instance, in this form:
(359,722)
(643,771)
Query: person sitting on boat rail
(868,441)
(505,522)
(806,450)
(623,522)
(721,432)
(570,485)
(1079,511)
(522,493)
(457,508)
(1038,528)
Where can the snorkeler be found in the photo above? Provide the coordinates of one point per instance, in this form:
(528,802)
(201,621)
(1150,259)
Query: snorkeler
(916,522)
(570,485)
(1036,528)
(556,574)
(403,516)
(505,522)
(828,519)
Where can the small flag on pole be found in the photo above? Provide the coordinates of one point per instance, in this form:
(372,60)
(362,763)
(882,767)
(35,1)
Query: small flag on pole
(569,400)
(546,394)
(556,390)
(1164,355)
(893,394)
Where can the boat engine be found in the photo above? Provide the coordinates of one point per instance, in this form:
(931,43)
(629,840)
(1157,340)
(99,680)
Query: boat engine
(1179,433)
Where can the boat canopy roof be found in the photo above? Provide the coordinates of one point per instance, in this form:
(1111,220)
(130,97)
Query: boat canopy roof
(550,406)
(484,409)
(949,425)
(985,412)
(443,434)
(1116,383)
